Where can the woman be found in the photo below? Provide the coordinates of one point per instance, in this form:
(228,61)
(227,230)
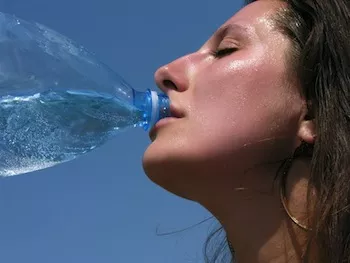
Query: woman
(262,134)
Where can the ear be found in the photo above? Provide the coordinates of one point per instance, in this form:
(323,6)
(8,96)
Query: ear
(307,129)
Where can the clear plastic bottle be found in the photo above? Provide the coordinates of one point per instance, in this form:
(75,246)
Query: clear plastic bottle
(57,101)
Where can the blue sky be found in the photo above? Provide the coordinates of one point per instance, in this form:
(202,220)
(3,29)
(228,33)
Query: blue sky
(101,208)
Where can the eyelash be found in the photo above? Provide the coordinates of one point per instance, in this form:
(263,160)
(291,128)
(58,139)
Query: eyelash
(224,52)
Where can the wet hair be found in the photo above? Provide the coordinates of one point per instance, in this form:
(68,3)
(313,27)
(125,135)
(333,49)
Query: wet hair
(319,31)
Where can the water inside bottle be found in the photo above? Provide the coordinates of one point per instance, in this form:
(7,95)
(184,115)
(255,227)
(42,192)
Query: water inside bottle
(52,127)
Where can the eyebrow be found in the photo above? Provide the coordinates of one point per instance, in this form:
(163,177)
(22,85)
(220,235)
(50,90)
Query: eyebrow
(222,31)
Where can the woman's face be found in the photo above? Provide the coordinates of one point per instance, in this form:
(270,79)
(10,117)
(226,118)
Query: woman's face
(235,106)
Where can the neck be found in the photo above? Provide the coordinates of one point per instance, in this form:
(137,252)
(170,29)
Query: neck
(254,219)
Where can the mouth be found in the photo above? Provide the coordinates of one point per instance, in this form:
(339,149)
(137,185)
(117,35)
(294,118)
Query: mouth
(175,113)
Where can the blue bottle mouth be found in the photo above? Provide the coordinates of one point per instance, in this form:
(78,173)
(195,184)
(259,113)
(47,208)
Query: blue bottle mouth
(160,108)
(155,106)
(164,106)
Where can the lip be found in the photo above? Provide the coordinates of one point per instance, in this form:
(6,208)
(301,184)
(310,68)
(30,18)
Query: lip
(175,114)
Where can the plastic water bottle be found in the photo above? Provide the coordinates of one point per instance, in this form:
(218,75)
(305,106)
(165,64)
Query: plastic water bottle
(58,102)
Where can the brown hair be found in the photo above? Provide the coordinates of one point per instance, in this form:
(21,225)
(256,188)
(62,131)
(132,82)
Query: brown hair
(320,56)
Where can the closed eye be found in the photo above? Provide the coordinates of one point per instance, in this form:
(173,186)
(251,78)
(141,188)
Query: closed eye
(224,52)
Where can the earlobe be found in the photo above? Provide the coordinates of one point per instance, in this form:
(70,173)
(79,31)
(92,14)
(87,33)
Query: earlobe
(307,131)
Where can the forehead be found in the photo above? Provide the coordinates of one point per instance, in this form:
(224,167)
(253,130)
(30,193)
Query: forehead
(257,12)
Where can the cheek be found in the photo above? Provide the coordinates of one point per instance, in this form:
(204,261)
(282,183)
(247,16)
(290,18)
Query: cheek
(241,105)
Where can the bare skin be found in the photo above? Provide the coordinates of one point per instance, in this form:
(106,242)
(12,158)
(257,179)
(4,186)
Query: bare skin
(237,112)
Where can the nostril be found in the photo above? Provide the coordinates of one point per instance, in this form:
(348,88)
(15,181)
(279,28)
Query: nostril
(169,84)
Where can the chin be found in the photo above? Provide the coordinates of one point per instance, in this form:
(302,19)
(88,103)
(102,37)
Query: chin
(159,162)
(166,174)
(170,166)
(179,168)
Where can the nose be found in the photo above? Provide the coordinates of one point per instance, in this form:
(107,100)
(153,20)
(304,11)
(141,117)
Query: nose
(173,76)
